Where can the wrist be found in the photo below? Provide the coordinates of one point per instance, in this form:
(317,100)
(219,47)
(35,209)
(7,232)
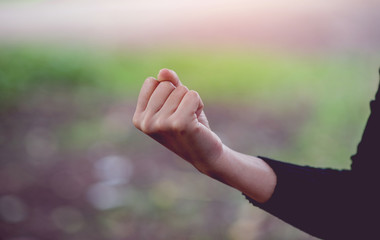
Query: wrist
(214,162)
(219,166)
(245,173)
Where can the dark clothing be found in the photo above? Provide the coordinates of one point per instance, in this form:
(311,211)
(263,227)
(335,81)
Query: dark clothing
(328,203)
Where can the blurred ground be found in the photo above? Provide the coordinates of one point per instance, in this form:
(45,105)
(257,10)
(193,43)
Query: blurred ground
(287,80)
(122,185)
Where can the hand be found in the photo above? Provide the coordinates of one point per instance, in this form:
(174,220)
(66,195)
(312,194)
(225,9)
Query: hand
(173,115)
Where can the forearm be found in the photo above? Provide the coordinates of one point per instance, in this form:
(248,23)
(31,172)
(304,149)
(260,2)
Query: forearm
(315,200)
(248,174)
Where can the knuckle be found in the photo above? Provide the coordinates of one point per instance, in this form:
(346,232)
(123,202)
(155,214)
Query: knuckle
(177,125)
(182,88)
(146,126)
(136,121)
(161,125)
(150,126)
(193,94)
(167,84)
(150,80)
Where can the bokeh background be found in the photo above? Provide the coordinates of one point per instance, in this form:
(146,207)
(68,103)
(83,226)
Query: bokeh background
(290,80)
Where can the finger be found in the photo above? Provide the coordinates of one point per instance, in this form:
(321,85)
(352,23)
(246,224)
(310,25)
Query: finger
(146,91)
(173,101)
(159,96)
(200,106)
(189,105)
(169,75)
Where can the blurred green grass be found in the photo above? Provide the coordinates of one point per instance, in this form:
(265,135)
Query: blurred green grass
(335,89)
(63,110)
(229,75)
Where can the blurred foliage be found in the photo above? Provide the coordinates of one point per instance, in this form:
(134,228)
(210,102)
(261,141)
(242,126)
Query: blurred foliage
(217,74)
(23,70)
(332,90)
(66,128)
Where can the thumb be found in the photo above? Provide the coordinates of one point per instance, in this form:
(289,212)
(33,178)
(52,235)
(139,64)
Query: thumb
(169,75)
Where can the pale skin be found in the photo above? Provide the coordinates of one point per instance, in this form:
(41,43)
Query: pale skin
(173,115)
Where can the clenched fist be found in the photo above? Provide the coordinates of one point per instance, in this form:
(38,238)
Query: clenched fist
(173,115)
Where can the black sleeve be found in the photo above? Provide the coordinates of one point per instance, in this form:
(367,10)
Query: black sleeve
(317,201)
(328,203)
